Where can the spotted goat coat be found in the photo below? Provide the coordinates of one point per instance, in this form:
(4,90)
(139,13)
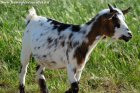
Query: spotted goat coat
(57,45)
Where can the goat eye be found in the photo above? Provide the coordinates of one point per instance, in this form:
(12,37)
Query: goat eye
(116,21)
(114,18)
(117,25)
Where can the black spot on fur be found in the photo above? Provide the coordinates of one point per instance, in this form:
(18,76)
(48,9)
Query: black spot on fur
(27,31)
(53,62)
(67,55)
(117,25)
(20,69)
(44,55)
(49,40)
(61,37)
(59,26)
(70,35)
(36,56)
(84,32)
(55,27)
(63,43)
(55,42)
(41,34)
(41,24)
(48,20)
(70,45)
(41,72)
(74,70)
(75,44)
(22,88)
(27,22)
(75,28)
(54,22)
(38,47)
(37,39)
(43,87)
(63,27)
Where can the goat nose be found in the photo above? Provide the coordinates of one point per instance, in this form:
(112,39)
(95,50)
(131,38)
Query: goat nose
(130,34)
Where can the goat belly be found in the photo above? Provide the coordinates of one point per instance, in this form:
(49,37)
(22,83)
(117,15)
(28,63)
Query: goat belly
(52,60)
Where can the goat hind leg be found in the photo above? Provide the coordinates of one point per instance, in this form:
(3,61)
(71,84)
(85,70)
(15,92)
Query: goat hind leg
(25,57)
(41,79)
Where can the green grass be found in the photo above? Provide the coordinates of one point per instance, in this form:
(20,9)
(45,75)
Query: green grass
(111,69)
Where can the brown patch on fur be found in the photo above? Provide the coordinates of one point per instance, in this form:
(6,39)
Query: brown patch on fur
(80,53)
(102,27)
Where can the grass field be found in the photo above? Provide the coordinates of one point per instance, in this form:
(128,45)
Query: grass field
(111,69)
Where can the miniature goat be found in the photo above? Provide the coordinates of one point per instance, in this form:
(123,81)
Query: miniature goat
(56,45)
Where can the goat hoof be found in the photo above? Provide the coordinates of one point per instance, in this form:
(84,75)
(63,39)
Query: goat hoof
(21,88)
(44,91)
(68,92)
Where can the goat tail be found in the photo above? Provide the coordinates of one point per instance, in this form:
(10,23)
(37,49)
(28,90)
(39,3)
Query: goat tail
(32,13)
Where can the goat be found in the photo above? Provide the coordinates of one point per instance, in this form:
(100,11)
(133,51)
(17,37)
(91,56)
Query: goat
(56,45)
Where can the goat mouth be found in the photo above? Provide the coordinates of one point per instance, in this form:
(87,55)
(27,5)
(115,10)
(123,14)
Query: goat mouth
(125,38)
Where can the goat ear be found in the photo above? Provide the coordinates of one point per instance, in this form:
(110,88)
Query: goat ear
(126,10)
(110,7)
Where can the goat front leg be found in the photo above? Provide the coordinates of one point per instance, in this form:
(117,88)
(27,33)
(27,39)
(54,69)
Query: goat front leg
(78,75)
(71,75)
(41,79)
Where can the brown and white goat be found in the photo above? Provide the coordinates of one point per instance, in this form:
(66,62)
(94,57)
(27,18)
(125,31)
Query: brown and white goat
(57,45)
